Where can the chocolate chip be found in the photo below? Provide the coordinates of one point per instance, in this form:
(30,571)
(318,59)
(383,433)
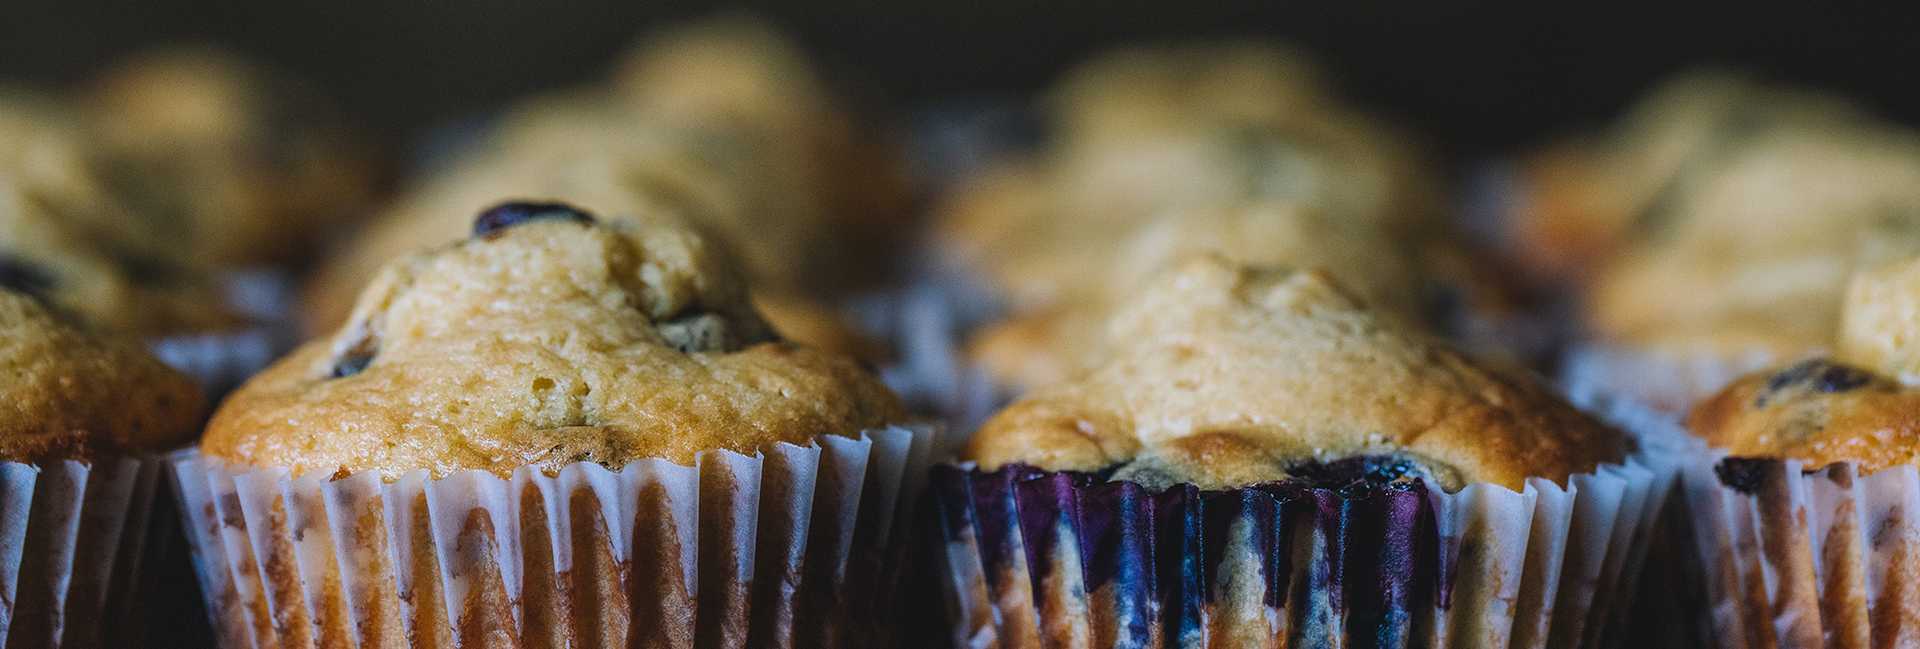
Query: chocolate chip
(1745,475)
(19,276)
(506,215)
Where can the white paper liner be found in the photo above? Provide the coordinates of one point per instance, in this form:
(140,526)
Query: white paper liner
(1550,567)
(71,542)
(1662,382)
(767,550)
(1822,558)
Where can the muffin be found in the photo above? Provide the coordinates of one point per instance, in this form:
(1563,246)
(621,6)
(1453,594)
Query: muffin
(1580,201)
(1800,504)
(554,376)
(82,419)
(737,74)
(231,164)
(1748,267)
(1254,438)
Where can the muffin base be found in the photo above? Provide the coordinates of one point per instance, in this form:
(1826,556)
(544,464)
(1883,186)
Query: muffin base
(1826,557)
(782,548)
(1036,558)
(72,537)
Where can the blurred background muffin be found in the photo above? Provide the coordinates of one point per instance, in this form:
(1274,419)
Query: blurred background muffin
(228,163)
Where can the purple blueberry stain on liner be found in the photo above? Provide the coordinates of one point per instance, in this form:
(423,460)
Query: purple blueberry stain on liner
(496,219)
(1374,514)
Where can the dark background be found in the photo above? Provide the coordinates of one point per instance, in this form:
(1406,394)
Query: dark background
(1477,78)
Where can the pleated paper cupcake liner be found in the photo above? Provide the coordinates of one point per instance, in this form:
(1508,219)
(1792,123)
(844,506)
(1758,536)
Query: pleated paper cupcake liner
(1595,373)
(783,548)
(1800,557)
(72,537)
(1050,559)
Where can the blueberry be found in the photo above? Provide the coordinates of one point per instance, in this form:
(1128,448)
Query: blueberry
(1819,374)
(1745,475)
(509,214)
(22,277)
(351,364)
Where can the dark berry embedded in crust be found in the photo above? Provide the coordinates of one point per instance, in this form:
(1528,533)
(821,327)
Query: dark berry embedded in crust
(506,215)
(1818,374)
(1745,475)
(21,277)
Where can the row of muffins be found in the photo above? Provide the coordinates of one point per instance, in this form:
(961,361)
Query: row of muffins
(615,330)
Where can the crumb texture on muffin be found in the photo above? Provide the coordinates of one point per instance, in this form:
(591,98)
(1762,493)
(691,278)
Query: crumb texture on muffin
(1223,375)
(1818,411)
(555,339)
(70,394)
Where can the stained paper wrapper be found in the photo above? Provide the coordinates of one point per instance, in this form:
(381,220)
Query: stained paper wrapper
(1036,558)
(790,547)
(1799,557)
(72,535)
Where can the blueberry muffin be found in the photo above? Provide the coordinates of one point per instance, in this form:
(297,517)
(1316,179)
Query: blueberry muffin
(548,337)
(1809,470)
(1258,455)
(557,376)
(737,74)
(1581,201)
(75,395)
(1750,267)
(48,248)
(1224,376)
(231,163)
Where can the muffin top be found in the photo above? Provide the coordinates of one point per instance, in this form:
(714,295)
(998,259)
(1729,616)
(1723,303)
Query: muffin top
(1819,411)
(1856,407)
(70,394)
(1222,375)
(1125,93)
(547,337)
(1586,199)
(1046,344)
(233,163)
(52,248)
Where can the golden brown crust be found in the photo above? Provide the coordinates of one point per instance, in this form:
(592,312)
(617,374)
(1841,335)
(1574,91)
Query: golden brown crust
(1817,411)
(1221,375)
(545,343)
(71,395)
(243,166)
(1106,269)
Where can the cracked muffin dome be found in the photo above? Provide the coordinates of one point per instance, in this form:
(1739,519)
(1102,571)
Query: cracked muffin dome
(546,338)
(1223,375)
(71,394)
(1860,407)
